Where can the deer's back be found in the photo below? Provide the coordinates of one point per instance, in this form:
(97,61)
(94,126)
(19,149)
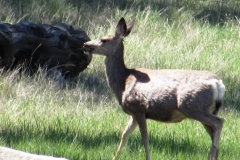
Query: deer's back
(163,94)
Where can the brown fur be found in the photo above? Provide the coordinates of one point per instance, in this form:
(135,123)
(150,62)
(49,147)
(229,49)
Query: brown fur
(162,95)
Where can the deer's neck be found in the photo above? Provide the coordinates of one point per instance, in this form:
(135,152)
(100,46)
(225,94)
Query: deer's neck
(116,71)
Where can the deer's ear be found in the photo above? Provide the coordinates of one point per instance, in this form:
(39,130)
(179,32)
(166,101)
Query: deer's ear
(129,27)
(121,28)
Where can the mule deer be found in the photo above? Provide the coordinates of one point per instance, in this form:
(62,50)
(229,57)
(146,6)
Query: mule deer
(162,95)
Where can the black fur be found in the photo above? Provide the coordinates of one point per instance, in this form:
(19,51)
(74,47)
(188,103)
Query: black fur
(218,105)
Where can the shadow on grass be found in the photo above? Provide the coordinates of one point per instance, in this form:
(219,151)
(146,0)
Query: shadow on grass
(93,83)
(215,12)
(88,141)
(90,82)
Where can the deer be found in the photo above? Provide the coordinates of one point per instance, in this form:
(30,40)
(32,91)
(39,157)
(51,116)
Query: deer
(165,95)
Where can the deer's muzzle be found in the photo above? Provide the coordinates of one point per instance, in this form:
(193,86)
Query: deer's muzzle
(87,49)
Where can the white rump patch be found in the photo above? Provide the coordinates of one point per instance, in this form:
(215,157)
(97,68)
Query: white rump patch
(218,88)
(221,90)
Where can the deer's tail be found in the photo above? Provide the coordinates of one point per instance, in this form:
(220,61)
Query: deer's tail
(219,97)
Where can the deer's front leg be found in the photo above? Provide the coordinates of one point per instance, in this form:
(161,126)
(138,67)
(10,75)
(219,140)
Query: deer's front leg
(128,130)
(142,123)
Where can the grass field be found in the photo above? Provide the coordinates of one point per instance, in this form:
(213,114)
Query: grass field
(84,121)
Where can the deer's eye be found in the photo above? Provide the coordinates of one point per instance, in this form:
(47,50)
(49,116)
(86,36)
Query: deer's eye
(104,40)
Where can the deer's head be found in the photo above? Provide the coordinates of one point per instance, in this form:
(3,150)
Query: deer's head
(108,44)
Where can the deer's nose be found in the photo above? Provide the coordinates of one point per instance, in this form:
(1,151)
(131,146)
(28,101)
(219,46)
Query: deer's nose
(86,45)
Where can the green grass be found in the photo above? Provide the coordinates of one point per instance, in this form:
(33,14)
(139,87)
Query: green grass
(84,121)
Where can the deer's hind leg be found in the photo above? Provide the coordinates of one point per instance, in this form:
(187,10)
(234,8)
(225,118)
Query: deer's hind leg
(215,137)
(213,126)
(208,128)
